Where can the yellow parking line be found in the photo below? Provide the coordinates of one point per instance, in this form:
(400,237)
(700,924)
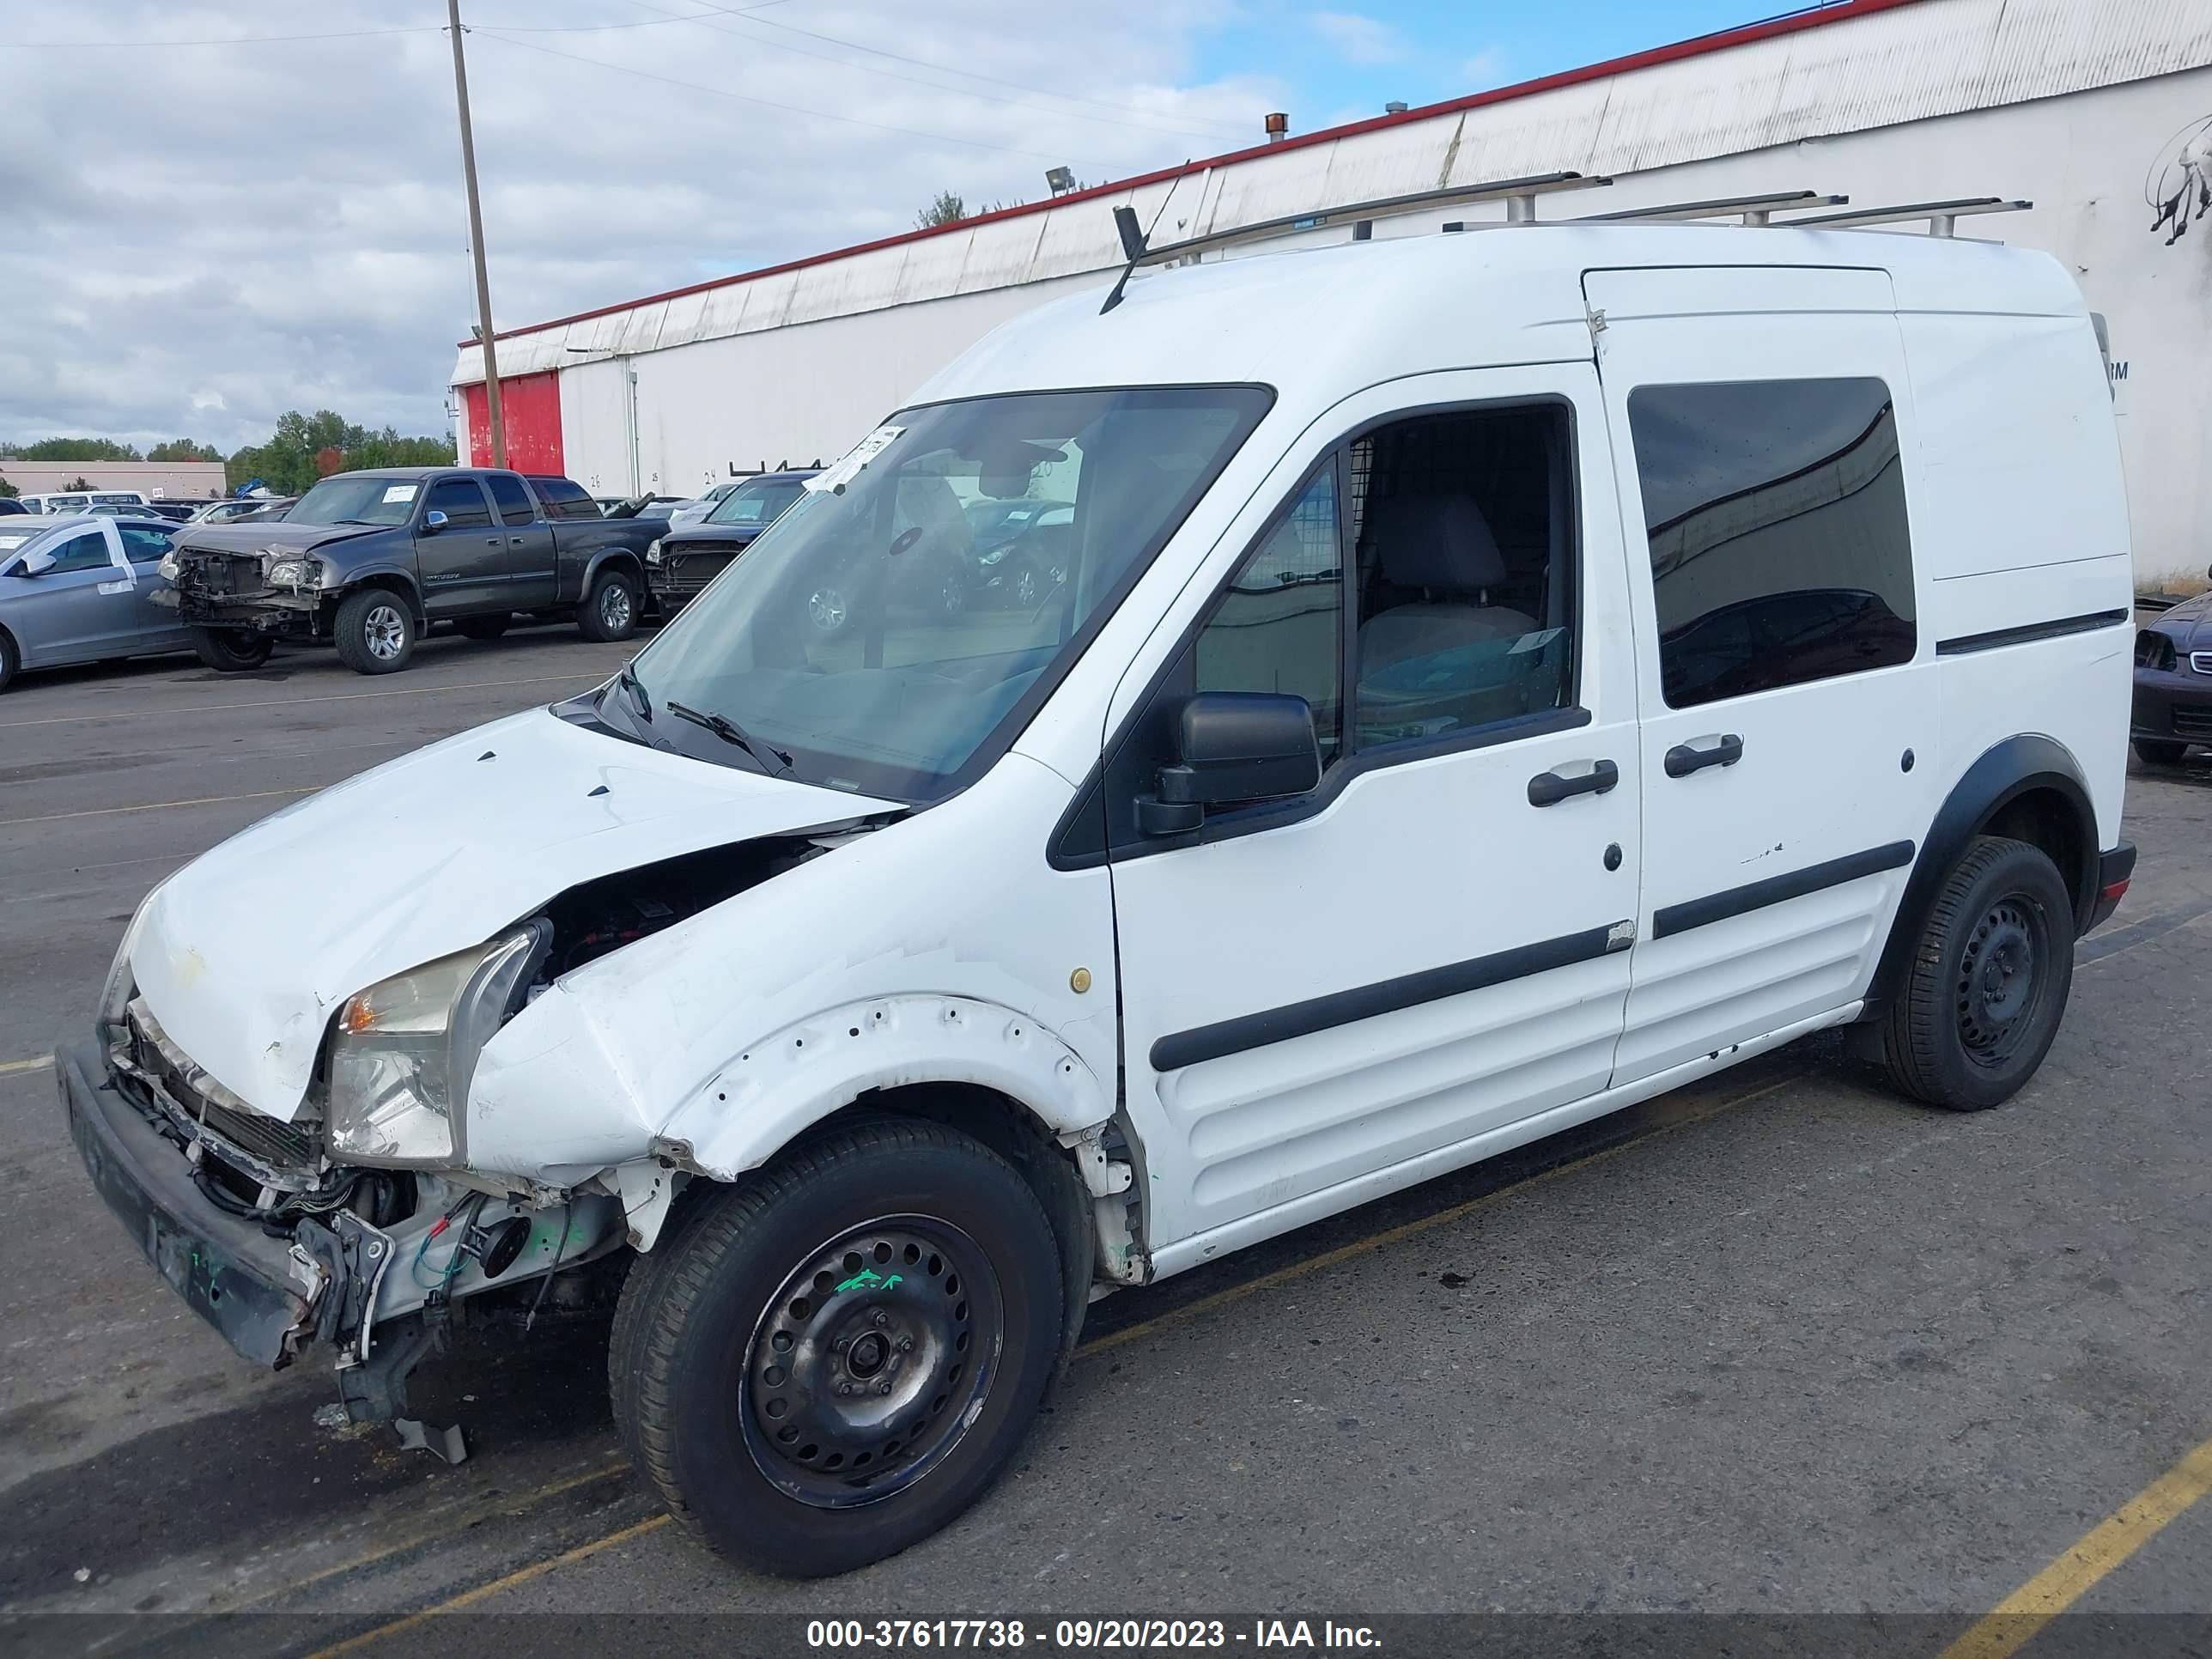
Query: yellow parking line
(9,1067)
(162,805)
(290,702)
(491,1588)
(2013,1621)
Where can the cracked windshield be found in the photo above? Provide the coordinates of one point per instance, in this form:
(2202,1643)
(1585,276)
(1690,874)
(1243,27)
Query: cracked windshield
(931,586)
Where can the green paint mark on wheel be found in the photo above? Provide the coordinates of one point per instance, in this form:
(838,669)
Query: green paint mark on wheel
(867,1279)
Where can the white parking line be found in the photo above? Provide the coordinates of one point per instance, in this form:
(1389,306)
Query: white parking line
(162,805)
(287,702)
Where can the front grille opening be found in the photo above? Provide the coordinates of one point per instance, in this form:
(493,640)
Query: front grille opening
(2192,723)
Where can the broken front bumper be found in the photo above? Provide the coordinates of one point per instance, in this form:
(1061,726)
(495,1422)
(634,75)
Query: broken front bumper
(283,614)
(269,1296)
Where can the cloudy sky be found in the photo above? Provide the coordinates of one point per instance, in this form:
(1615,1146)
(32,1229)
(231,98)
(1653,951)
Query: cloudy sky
(213,212)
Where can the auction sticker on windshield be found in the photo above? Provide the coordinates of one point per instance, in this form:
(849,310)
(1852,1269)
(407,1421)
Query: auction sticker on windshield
(399,492)
(836,477)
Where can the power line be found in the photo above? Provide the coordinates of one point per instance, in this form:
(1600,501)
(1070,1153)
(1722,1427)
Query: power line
(705,20)
(943,69)
(763,103)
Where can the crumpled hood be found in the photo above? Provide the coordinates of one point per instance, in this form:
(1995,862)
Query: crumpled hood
(243,954)
(275,533)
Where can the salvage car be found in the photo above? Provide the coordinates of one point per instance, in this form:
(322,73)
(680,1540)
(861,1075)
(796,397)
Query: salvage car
(2174,682)
(367,561)
(871,999)
(685,557)
(82,589)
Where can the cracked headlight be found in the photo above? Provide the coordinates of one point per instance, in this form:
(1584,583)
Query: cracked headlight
(294,572)
(169,566)
(652,551)
(405,1049)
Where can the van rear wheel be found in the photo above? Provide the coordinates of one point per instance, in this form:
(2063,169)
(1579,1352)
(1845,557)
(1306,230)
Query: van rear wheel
(832,1360)
(1988,981)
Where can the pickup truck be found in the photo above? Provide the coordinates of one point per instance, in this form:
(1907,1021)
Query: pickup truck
(367,559)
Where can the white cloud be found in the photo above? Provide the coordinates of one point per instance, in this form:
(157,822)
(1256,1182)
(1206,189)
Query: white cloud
(1360,39)
(263,227)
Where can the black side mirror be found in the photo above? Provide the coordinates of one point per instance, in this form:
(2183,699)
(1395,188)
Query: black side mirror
(1233,748)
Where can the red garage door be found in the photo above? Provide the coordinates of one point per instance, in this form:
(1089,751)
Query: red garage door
(531,406)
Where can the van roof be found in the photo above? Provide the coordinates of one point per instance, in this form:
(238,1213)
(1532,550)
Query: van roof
(1330,318)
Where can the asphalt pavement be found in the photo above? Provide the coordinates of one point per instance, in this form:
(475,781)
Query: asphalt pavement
(1780,1344)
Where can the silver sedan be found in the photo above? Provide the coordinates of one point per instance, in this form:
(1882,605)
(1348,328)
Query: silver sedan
(81,589)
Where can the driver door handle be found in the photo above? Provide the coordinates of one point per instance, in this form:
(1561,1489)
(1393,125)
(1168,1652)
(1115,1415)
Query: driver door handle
(1550,789)
(1682,759)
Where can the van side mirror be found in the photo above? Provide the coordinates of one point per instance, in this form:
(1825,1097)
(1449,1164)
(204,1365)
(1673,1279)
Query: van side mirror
(35,564)
(434,521)
(1233,748)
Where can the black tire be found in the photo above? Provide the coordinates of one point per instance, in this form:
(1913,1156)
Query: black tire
(483,627)
(747,1452)
(232,650)
(10,659)
(610,609)
(375,631)
(1988,981)
(2159,751)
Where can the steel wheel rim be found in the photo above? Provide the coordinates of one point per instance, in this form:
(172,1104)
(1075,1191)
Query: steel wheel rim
(2002,982)
(384,631)
(872,1361)
(826,606)
(614,606)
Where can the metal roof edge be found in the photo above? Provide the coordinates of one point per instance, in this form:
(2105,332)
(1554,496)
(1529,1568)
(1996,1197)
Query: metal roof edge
(1816,16)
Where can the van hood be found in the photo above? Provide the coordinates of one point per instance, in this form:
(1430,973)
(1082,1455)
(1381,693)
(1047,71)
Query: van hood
(245,953)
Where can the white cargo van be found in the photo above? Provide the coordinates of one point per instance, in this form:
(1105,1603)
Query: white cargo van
(1486,680)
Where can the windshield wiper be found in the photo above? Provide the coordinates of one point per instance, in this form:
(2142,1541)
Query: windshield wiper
(729,732)
(627,679)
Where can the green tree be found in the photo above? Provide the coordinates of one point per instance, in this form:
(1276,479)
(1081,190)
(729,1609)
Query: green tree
(74,449)
(286,463)
(80,482)
(183,449)
(947,209)
(8,491)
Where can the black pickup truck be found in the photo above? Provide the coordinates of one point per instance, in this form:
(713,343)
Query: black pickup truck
(368,560)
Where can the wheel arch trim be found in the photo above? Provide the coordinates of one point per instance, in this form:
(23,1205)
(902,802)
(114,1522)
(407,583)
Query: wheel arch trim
(779,1087)
(390,579)
(2002,774)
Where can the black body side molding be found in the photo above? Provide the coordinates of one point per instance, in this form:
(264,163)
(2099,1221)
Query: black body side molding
(1233,1037)
(2005,772)
(1795,884)
(2029,633)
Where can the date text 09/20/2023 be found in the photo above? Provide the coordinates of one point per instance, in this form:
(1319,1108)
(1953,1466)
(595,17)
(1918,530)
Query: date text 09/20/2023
(1065,1634)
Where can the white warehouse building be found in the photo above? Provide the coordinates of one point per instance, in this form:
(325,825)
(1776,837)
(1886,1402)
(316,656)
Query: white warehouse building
(2096,112)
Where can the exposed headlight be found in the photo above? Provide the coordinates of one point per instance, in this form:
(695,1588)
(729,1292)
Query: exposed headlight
(115,996)
(406,1047)
(652,551)
(169,566)
(294,573)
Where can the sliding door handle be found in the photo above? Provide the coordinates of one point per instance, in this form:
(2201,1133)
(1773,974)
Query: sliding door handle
(1550,789)
(1682,759)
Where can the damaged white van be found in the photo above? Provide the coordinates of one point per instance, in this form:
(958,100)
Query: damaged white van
(1482,681)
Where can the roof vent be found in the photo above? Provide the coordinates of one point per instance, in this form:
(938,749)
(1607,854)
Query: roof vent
(1396,106)
(1279,127)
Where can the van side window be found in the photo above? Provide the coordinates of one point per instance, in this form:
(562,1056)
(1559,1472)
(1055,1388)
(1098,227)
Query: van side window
(1280,626)
(1780,551)
(1464,532)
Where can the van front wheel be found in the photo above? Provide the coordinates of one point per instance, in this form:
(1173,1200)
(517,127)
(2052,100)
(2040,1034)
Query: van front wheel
(1988,983)
(832,1360)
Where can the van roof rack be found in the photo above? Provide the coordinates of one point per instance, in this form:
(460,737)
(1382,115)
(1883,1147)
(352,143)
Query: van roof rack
(1519,196)
(1754,210)
(1942,217)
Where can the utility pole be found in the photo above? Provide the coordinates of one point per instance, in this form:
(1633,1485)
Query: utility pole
(475,243)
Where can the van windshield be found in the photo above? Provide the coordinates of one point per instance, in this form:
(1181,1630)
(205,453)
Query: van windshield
(862,636)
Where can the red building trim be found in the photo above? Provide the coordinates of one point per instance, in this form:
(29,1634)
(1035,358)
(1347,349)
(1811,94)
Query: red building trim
(1790,23)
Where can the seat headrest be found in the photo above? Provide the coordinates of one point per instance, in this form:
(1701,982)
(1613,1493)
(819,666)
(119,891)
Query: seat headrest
(1434,541)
